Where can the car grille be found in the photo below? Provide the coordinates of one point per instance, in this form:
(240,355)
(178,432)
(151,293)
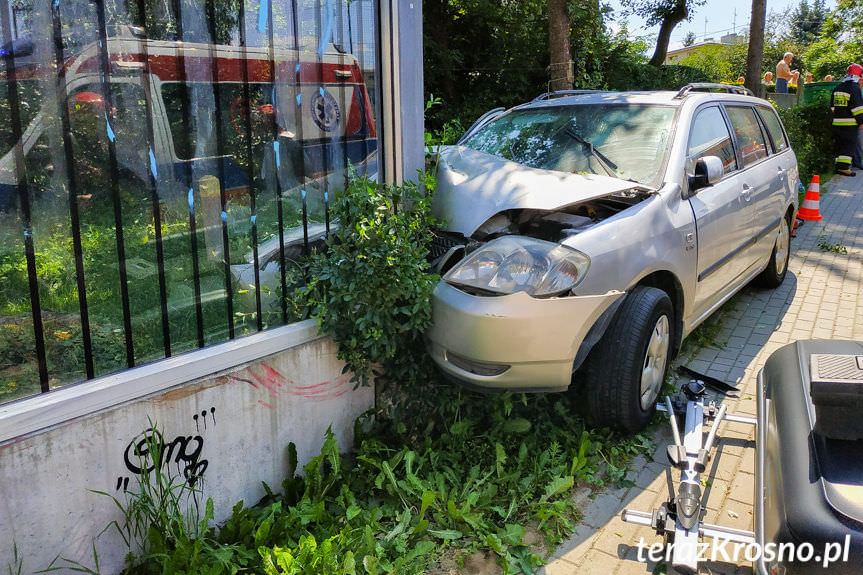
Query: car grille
(442,242)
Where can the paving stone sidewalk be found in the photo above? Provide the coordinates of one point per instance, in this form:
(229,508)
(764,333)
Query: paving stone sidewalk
(820,298)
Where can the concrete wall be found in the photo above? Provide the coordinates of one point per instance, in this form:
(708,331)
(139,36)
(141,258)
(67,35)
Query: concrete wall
(232,427)
(783,100)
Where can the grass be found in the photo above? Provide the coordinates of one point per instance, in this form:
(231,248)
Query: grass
(826,246)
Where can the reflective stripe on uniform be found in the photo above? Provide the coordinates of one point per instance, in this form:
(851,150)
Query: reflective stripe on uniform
(857,111)
(843,159)
(844,122)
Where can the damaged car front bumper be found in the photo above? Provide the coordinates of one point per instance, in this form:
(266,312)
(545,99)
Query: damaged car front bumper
(511,342)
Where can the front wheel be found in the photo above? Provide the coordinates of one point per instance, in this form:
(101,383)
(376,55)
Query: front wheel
(626,369)
(774,274)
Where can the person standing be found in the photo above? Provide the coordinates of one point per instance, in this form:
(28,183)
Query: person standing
(846,102)
(784,73)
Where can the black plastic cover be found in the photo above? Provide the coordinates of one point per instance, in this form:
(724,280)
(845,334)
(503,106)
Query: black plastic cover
(837,394)
(809,488)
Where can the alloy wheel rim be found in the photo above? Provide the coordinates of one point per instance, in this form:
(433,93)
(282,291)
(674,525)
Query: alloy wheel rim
(783,245)
(655,358)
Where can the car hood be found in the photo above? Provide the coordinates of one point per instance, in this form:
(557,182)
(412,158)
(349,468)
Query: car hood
(473,186)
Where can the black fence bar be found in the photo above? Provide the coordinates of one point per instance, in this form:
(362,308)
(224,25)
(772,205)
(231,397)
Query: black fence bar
(190,184)
(74,214)
(241,22)
(220,152)
(299,117)
(24,200)
(153,181)
(276,101)
(325,140)
(108,95)
(347,101)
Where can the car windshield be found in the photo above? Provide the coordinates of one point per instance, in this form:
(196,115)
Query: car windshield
(627,141)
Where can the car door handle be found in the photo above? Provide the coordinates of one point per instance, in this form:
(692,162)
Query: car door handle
(747,192)
(781,172)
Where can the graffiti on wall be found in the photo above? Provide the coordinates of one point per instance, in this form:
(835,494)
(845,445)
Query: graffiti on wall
(266,378)
(181,456)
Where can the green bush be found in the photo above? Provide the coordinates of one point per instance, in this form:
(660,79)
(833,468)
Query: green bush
(811,134)
(369,289)
(636,76)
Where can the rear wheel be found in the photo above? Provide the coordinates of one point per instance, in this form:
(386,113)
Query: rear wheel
(774,274)
(626,369)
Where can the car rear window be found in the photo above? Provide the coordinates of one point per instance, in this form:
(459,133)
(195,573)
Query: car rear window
(632,140)
(750,139)
(774,126)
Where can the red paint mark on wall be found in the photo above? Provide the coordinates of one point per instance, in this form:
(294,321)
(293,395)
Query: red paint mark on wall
(265,377)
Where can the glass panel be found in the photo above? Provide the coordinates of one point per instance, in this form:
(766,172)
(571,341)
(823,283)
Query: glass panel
(771,120)
(175,173)
(710,137)
(750,139)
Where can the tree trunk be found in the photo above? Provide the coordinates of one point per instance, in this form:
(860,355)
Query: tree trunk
(560,66)
(755,54)
(672,19)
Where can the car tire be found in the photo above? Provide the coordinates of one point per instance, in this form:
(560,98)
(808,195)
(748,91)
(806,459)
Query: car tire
(627,368)
(774,274)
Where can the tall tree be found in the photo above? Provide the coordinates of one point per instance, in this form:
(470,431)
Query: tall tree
(560,61)
(666,13)
(806,22)
(755,53)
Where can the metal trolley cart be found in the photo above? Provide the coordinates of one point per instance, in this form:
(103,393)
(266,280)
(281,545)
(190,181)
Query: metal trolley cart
(808,514)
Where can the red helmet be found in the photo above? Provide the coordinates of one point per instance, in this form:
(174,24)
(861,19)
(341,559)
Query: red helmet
(854,70)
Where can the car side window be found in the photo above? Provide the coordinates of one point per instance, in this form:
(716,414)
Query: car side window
(774,127)
(710,137)
(750,139)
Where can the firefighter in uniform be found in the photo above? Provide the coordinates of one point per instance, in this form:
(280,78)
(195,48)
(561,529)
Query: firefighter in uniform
(847,105)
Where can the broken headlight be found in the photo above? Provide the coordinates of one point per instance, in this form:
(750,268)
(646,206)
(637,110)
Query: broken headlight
(512,264)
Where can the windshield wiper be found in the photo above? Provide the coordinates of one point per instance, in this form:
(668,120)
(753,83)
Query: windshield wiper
(607,165)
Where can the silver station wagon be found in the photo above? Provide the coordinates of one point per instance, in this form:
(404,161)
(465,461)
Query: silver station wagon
(585,234)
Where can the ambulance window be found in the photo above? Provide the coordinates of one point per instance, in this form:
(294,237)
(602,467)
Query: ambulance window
(29,102)
(94,122)
(193,111)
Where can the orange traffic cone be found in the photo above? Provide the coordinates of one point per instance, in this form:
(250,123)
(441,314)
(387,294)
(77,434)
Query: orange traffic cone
(810,210)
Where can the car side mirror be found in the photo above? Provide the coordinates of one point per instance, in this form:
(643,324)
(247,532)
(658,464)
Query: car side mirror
(708,171)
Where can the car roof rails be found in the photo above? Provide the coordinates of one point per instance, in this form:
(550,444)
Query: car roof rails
(684,91)
(563,93)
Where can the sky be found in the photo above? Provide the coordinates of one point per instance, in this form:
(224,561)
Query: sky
(719,15)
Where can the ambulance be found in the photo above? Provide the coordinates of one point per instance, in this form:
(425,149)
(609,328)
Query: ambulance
(311,110)
(201,122)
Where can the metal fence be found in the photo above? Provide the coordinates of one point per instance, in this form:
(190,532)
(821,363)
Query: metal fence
(163,167)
